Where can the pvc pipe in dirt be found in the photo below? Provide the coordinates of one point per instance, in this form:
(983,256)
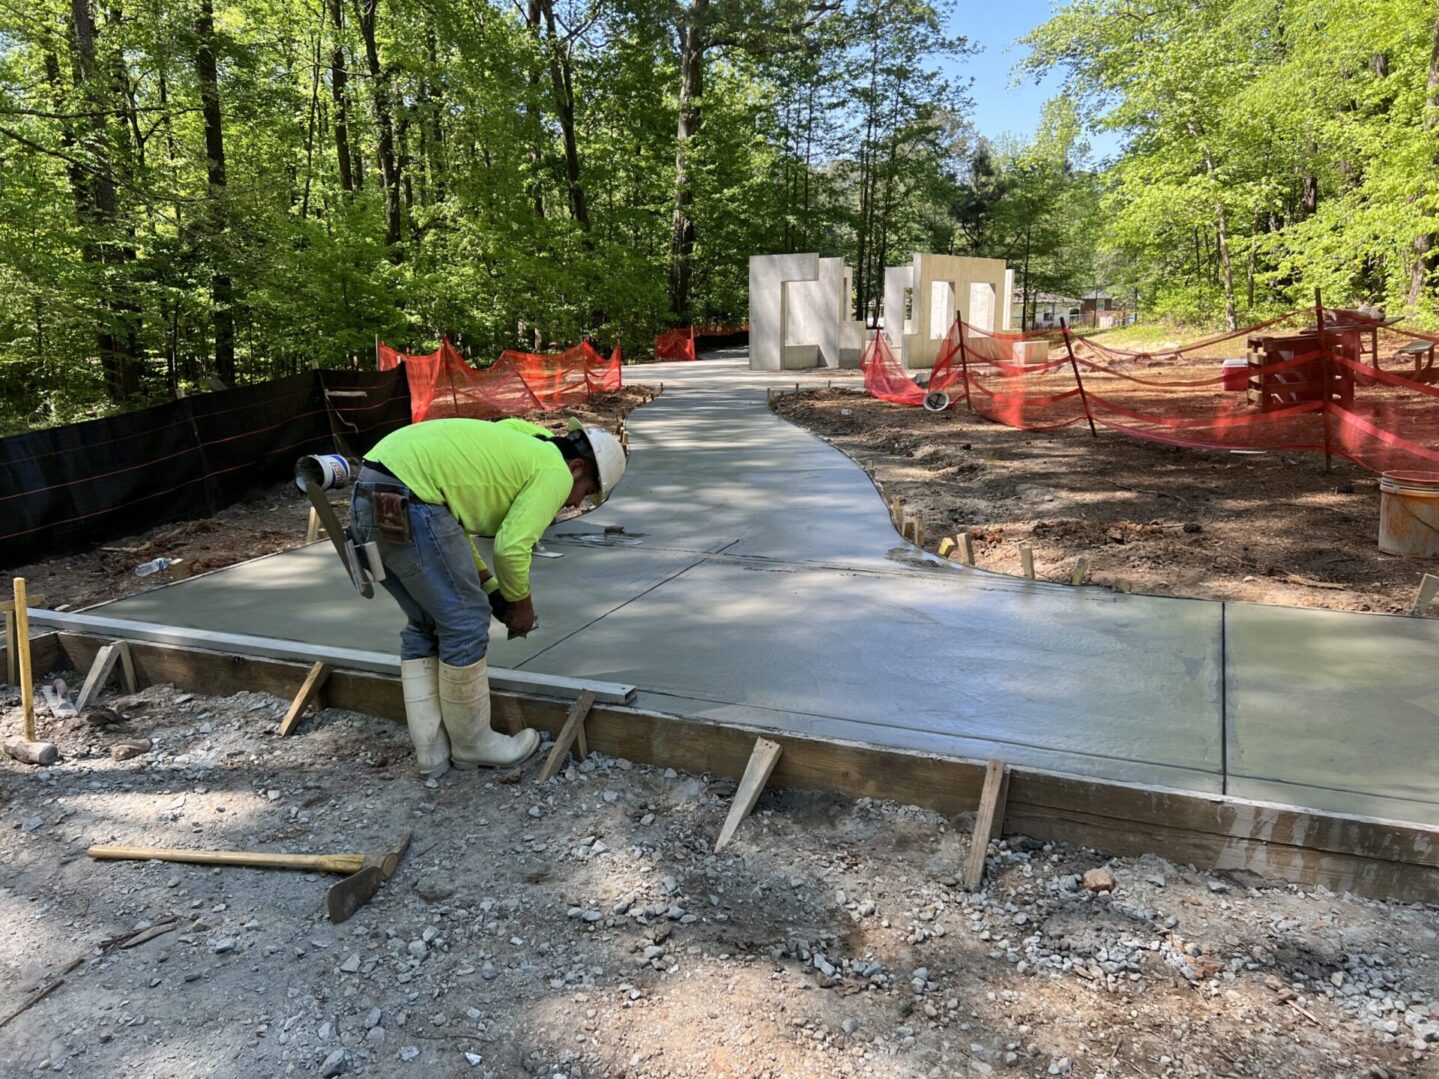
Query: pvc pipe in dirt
(1409,513)
(322,470)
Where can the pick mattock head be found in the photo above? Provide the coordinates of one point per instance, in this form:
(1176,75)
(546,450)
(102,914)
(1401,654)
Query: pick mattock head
(359,887)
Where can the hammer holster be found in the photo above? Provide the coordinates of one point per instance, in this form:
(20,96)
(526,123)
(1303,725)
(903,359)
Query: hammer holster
(392,515)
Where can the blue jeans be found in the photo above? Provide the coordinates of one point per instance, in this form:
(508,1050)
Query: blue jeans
(433,577)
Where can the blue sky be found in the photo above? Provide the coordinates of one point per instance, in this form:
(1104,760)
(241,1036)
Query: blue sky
(999,107)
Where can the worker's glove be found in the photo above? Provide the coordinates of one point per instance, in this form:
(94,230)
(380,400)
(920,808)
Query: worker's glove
(499,606)
(521,618)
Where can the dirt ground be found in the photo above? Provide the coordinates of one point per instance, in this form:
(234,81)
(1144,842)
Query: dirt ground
(274,519)
(1265,528)
(585,929)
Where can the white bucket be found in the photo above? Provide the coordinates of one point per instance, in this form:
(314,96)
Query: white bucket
(322,470)
(1409,513)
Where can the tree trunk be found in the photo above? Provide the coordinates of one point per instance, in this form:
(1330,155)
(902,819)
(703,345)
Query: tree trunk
(1221,231)
(98,208)
(868,283)
(389,169)
(433,128)
(1424,244)
(222,292)
(682,232)
(339,80)
(562,76)
(310,124)
(533,126)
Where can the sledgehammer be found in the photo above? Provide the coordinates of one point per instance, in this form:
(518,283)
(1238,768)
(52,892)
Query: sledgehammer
(366,871)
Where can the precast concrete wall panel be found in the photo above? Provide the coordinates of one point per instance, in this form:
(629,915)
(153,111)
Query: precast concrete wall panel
(939,280)
(805,307)
(767,275)
(897,280)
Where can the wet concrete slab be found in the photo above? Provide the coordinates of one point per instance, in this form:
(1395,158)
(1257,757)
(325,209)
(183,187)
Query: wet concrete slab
(759,580)
(303,594)
(1334,709)
(1051,680)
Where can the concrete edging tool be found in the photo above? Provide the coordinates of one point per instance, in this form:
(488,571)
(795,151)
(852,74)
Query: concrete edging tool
(365,871)
(361,563)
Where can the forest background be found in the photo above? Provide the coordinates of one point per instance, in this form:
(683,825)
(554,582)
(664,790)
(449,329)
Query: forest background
(194,190)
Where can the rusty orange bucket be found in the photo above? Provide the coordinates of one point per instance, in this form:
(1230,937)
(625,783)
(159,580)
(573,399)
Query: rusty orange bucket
(1409,513)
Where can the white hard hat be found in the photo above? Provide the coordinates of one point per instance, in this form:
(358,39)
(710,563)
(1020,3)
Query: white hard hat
(610,457)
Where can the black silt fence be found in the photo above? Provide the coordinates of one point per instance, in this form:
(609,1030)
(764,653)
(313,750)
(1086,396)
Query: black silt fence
(66,489)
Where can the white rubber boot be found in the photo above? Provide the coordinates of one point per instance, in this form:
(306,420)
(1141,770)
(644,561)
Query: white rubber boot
(420,680)
(465,705)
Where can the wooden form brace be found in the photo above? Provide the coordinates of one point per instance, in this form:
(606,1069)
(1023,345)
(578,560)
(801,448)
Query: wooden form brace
(571,734)
(756,774)
(988,822)
(101,670)
(1428,589)
(309,692)
(1375,858)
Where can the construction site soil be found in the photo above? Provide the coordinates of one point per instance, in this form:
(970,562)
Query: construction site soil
(274,519)
(584,928)
(1164,520)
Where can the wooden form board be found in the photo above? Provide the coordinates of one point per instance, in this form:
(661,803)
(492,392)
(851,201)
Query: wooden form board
(1375,858)
(353,659)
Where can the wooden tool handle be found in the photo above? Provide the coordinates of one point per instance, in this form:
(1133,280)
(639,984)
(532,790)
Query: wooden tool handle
(323,863)
(22,645)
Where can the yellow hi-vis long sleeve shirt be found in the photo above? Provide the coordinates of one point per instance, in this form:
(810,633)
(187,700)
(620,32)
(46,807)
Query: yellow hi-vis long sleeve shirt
(497,478)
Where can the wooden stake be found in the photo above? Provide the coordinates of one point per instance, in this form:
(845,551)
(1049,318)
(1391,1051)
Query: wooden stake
(568,733)
(896,511)
(945,546)
(127,666)
(1026,560)
(312,526)
(11,675)
(987,822)
(966,548)
(309,691)
(100,671)
(1081,567)
(1428,588)
(756,774)
(22,644)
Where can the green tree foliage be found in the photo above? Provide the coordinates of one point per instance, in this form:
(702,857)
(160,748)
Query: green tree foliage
(1272,146)
(243,188)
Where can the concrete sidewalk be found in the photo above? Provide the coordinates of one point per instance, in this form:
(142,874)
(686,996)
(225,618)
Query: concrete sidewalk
(759,580)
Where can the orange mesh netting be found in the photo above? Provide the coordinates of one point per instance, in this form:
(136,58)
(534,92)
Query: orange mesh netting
(676,345)
(1345,390)
(442,384)
(683,343)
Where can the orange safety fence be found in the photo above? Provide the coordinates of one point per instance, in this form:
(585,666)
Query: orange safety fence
(1296,388)
(442,384)
(681,344)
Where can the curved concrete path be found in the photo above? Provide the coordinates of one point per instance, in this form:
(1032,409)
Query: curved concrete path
(759,580)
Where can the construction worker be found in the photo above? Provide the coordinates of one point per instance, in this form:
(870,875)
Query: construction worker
(420,494)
